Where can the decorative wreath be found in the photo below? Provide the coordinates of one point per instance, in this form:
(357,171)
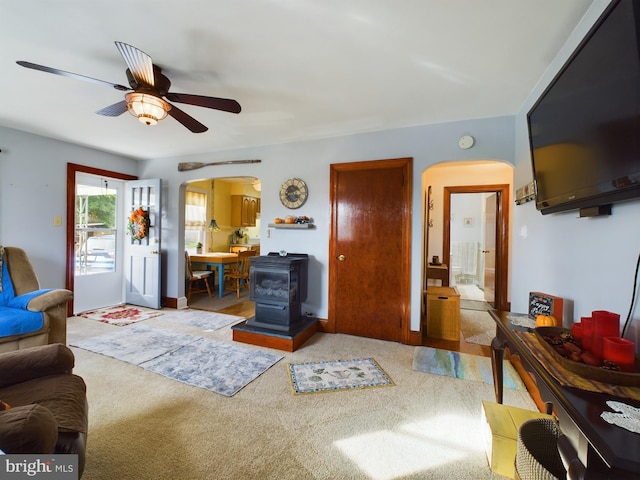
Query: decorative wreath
(139,224)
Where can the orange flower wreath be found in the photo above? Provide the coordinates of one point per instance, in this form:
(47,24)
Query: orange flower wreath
(139,223)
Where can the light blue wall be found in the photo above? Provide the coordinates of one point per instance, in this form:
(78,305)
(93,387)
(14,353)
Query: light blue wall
(310,161)
(589,261)
(33,190)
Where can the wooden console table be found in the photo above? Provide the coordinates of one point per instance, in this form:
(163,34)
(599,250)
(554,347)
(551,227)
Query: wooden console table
(607,451)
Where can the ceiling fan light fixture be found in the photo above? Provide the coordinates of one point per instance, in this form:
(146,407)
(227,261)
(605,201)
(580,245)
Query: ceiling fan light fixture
(148,109)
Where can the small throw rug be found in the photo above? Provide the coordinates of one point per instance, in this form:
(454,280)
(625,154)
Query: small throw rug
(121,315)
(463,366)
(317,377)
(205,320)
(477,327)
(216,366)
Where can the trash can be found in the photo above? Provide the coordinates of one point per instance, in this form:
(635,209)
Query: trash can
(537,456)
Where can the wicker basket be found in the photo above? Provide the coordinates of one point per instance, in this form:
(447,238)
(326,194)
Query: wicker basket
(537,456)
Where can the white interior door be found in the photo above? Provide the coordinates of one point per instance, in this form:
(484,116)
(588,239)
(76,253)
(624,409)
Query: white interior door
(142,272)
(99,203)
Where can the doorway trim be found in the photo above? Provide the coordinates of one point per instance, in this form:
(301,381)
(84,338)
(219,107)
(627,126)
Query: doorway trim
(502,234)
(72,169)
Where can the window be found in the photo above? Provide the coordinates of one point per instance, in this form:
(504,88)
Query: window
(95,226)
(195,219)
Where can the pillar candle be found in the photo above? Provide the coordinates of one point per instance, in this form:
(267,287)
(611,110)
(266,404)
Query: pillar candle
(587,332)
(620,351)
(576,330)
(605,324)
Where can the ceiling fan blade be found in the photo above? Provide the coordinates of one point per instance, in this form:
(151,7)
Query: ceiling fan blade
(224,104)
(140,64)
(55,71)
(187,120)
(114,110)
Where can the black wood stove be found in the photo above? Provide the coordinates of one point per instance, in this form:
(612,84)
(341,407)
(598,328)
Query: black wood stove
(278,286)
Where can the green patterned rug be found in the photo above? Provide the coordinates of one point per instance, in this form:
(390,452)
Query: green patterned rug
(463,366)
(318,377)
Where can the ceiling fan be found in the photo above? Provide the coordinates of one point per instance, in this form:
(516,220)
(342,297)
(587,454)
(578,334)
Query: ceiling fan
(147,88)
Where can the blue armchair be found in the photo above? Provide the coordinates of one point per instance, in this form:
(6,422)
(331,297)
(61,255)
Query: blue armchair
(29,316)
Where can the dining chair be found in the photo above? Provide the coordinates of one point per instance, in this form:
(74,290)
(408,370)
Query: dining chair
(194,278)
(239,278)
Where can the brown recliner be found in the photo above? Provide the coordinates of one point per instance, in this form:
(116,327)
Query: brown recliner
(47,404)
(53,304)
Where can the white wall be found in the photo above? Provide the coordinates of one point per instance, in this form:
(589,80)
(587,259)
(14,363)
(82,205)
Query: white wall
(589,261)
(33,190)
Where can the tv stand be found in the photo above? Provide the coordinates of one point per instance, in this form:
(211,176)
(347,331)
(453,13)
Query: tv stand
(607,451)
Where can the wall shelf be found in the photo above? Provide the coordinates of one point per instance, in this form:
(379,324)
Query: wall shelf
(292,226)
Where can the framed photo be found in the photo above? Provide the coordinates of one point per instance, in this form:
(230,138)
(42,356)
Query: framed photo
(468,221)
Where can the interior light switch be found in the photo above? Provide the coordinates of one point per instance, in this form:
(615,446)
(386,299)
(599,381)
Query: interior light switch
(523,231)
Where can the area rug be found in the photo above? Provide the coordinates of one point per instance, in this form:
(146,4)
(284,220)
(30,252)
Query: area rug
(205,320)
(477,327)
(136,344)
(317,377)
(463,366)
(121,315)
(216,366)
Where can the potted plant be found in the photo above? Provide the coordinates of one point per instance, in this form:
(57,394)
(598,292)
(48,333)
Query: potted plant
(198,247)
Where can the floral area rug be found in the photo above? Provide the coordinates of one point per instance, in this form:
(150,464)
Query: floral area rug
(121,315)
(317,377)
(215,366)
(463,366)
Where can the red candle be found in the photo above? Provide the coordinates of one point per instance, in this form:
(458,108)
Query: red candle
(587,332)
(620,351)
(576,330)
(605,324)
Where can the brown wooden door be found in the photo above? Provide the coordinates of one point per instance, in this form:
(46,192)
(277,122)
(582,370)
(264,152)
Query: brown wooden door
(369,272)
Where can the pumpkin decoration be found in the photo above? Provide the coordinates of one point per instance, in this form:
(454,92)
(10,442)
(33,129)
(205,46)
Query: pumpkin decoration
(546,321)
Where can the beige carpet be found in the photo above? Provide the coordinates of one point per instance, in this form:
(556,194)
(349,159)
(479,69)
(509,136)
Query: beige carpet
(145,426)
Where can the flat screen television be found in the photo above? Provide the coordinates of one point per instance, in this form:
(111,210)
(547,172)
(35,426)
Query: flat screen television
(584,130)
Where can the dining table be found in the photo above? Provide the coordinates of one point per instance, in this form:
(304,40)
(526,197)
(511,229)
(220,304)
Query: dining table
(216,259)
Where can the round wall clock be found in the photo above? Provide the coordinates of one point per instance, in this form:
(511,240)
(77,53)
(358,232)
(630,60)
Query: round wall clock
(293,193)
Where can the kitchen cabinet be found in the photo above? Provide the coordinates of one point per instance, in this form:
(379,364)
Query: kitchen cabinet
(244,210)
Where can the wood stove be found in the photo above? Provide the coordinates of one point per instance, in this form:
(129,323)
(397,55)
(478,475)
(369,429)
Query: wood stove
(278,286)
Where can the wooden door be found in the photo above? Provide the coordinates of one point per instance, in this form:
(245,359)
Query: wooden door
(370,249)
(489,250)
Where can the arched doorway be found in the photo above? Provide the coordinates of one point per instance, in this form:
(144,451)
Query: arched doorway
(467,177)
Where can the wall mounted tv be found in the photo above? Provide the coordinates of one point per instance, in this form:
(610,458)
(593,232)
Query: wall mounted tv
(584,131)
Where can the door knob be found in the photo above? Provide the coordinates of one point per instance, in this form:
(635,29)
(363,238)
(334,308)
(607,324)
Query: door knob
(342,258)
(154,252)
(486,251)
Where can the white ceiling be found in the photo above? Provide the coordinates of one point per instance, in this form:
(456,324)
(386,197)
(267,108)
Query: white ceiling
(301,69)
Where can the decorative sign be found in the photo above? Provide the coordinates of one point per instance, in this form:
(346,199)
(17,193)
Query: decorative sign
(545,304)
